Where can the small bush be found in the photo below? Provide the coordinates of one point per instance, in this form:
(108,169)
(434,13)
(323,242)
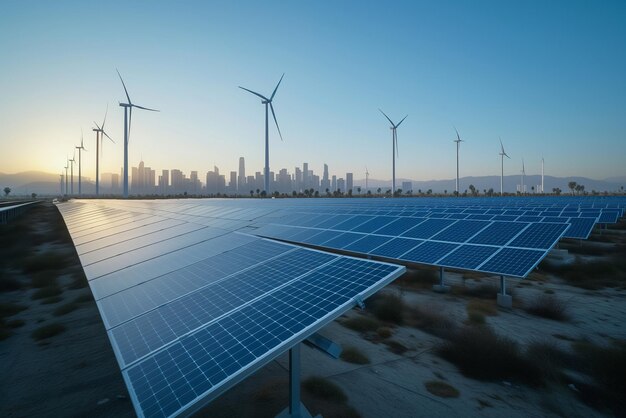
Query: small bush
(475,317)
(607,364)
(51,300)
(46,278)
(46,292)
(384,332)
(548,358)
(482,354)
(65,309)
(361,323)
(10,309)
(442,389)
(83,298)
(4,333)
(47,331)
(431,320)
(482,291)
(387,307)
(354,355)
(9,284)
(16,323)
(418,278)
(550,307)
(50,260)
(395,347)
(79,281)
(591,275)
(485,307)
(324,389)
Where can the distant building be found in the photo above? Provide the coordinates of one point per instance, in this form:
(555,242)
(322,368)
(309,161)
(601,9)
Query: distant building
(407,186)
(333,184)
(241,182)
(232,185)
(349,182)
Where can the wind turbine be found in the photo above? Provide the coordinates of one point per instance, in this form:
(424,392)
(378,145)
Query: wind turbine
(523,175)
(81,148)
(541,175)
(67,165)
(100,133)
(458,141)
(267,102)
(128,118)
(394,150)
(502,155)
(73,160)
(61,182)
(367,177)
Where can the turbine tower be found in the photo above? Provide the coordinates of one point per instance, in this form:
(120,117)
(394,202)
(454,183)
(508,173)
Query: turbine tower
(367,177)
(100,134)
(502,155)
(67,165)
(128,118)
(72,160)
(458,141)
(268,102)
(61,183)
(81,148)
(542,175)
(523,175)
(394,150)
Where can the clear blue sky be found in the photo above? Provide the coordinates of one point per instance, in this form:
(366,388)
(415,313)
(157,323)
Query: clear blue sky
(549,77)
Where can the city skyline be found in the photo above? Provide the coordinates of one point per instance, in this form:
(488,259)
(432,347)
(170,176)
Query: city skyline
(548,90)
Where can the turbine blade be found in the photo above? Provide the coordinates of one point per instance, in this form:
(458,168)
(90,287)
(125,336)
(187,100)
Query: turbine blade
(255,93)
(124,85)
(401,121)
(107,135)
(275,121)
(105,116)
(458,137)
(387,117)
(97,127)
(274,93)
(145,108)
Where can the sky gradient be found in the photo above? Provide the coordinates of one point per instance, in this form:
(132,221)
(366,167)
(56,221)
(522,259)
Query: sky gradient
(548,77)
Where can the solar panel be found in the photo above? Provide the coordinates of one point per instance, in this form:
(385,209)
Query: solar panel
(429,252)
(498,233)
(513,262)
(468,257)
(213,306)
(580,228)
(428,228)
(539,235)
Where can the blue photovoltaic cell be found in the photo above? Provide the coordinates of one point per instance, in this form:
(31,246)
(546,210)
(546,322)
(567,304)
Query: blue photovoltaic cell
(303,234)
(481,217)
(468,256)
(608,217)
(331,221)
(508,218)
(343,240)
(513,262)
(352,223)
(399,226)
(374,224)
(528,218)
(498,233)
(554,219)
(428,228)
(539,235)
(458,215)
(322,237)
(367,244)
(396,247)
(429,252)
(461,231)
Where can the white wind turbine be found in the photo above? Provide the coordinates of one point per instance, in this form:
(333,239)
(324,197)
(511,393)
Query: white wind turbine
(458,141)
(523,176)
(367,177)
(128,118)
(67,165)
(268,103)
(502,155)
(394,150)
(81,148)
(73,161)
(100,134)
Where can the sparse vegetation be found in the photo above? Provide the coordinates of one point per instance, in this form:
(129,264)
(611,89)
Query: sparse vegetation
(354,355)
(384,332)
(594,275)
(482,306)
(395,346)
(47,331)
(51,300)
(418,278)
(83,298)
(65,309)
(431,320)
(8,283)
(476,318)
(482,354)
(10,309)
(50,260)
(387,307)
(550,307)
(324,389)
(361,323)
(46,292)
(45,278)
(441,389)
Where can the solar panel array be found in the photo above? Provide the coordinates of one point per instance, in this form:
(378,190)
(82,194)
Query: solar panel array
(194,300)
(192,309)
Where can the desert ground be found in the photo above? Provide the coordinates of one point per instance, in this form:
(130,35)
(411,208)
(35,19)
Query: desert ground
(561,350)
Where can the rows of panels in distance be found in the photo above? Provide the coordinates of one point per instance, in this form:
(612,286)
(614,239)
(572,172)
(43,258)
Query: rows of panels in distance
(192,308)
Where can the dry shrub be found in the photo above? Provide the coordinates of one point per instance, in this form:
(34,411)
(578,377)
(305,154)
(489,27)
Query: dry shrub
(354,355)
(430,319)
(441,389)
(550,307)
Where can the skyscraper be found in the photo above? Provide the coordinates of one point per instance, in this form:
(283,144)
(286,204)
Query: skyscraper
(325,183)
(333,186)
(241,184)
(349,182)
